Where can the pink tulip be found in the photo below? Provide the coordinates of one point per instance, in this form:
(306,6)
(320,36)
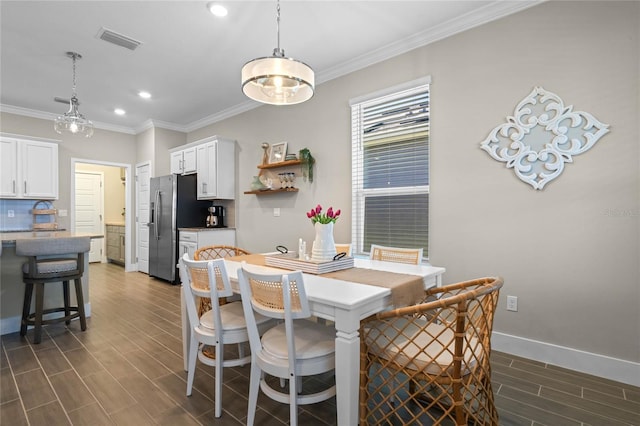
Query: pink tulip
(309,215)
(337,213)
(318,209)
(330,212)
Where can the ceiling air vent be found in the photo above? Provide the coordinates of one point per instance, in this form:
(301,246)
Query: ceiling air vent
(118,39)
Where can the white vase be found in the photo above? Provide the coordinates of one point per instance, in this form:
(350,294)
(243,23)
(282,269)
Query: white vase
(324,247)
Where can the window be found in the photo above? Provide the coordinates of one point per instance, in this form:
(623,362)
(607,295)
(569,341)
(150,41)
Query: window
(390,168)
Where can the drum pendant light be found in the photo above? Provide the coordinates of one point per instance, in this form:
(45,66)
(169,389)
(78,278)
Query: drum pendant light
(72,121)
(276,79)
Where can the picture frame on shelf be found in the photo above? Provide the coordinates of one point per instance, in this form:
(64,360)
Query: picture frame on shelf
(278,152)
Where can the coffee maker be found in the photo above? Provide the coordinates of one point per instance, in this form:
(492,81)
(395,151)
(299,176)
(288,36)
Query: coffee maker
(215,219)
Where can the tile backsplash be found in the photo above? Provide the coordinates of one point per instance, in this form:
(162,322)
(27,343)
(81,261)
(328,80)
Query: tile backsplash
(22,218)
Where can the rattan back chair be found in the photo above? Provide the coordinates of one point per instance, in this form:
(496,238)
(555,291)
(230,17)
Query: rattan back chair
(293,349)
(222,325)
(396,254)
(429,363)
(215,252)
(344,248)
(218,252)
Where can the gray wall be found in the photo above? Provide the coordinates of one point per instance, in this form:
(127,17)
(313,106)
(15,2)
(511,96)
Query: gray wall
(569,252)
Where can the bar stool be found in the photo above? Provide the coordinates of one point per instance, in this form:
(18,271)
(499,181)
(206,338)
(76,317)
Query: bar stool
(52,260)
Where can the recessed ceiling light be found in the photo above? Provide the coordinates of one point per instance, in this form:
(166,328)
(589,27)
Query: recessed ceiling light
(144,95)
(217,10)
(120,111)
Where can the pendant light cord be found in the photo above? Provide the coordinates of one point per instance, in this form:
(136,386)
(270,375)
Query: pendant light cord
(74,56)
(277,52)
(278,24)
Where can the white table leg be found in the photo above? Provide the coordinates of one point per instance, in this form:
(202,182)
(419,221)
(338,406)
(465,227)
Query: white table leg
(347,370)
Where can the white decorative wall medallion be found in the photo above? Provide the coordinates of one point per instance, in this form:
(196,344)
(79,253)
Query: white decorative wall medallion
(541,136)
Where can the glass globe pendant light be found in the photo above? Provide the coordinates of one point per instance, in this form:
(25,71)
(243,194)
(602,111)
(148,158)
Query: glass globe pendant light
(72,121)
(276,79)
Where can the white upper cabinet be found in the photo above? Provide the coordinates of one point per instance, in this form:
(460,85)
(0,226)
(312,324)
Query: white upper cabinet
(183,162)
(29,169)
(216,169)
(8,168)
(176,163)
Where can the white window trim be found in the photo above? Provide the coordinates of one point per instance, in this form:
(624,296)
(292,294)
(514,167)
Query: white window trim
(359,194)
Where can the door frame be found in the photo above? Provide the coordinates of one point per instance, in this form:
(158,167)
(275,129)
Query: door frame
(129,266)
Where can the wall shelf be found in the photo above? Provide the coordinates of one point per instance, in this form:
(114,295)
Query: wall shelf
(271,191)
(280,164)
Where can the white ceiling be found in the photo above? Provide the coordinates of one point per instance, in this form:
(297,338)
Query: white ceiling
(190,61)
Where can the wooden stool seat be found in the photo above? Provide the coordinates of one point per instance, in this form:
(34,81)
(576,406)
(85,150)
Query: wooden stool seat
(43,268)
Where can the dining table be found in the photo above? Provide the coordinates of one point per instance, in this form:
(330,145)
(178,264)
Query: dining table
(345,303)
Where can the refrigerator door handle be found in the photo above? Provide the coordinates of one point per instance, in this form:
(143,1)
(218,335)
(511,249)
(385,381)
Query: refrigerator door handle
(156,213)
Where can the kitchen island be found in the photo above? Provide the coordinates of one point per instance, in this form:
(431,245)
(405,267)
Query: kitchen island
(12,287)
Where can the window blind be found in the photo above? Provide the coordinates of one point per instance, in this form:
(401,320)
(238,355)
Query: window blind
(390,170)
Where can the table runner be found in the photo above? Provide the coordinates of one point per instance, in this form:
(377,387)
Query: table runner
(405,289)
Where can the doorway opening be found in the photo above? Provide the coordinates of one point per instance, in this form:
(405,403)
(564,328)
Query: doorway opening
(101,197)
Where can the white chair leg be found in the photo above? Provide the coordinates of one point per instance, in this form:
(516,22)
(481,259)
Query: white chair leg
(293,401)
(254,385)
(299,384)
(191,365)
(241,352)
(218,378)
(282,382)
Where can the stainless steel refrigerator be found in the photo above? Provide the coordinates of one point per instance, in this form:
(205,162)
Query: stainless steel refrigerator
(173,205)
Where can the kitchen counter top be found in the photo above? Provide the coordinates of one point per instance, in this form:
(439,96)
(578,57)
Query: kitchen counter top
(114,223)
(9,237)
(200,229)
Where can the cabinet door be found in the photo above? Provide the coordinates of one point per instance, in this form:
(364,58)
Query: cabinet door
(187,247)
(39,170)
(113,243)
(189,161)
(226,170)
(121,246)
(8,168)
(206,160)
(176,163)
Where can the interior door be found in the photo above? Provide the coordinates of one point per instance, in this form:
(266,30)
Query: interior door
(143,179)
(89,210)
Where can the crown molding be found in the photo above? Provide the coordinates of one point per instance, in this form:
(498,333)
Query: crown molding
(486,14)
(50,116)
(224,114)
(148,124)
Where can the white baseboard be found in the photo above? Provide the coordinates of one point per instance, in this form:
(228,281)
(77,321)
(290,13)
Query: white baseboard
(573,359)
(12,324)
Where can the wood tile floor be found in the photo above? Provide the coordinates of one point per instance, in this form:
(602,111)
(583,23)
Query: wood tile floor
(127,369)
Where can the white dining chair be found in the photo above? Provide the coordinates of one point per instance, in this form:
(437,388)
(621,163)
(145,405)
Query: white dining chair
(223,324)
(291,350)
(396,254)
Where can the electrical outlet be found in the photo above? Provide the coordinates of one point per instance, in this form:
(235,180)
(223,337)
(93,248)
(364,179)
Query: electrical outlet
(11,213)
(276,212)
(512,303)
(62,213)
